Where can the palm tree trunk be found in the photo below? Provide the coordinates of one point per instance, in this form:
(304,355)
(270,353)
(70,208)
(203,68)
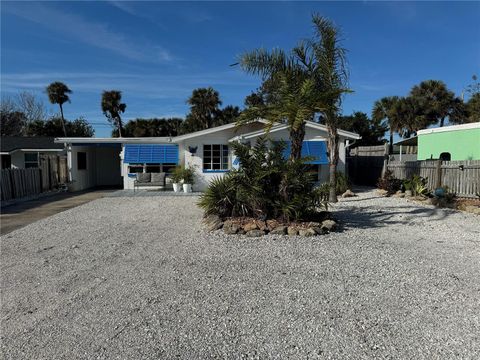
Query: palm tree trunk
(442,121)
(391,141)
(333,161)
(296,142)
(120,126)
(63,121)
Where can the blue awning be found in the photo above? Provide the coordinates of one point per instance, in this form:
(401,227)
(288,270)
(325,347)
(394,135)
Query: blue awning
(315,149)
(151,154)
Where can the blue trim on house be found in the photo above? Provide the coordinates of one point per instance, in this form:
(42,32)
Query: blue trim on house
(151,154)
(315,149)
(215,171)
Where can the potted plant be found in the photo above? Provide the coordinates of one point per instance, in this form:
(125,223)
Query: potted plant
(188,179)
(177,176)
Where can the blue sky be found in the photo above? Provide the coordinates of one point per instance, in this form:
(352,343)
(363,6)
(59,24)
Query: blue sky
(156,53)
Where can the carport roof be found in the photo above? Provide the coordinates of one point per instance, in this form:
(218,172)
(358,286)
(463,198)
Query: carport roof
(123,140)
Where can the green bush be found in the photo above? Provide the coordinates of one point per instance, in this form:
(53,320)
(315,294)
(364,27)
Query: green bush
(177,174)
(342,183)
(182,174)
(266,186)
(419,185)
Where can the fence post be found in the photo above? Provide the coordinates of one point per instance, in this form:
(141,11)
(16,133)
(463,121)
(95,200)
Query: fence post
(385,160)
(438,183)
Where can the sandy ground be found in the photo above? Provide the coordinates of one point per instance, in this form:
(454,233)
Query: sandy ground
(125,277)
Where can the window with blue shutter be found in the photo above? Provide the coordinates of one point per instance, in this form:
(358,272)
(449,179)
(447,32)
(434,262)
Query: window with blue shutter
(151,154)
(315,149)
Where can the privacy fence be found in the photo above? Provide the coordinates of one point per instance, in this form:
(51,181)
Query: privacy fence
(461,177)
(23,183)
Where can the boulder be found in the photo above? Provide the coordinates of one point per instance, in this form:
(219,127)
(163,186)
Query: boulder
(271,224)
(255,233)
(329,225)
(279,230)
(292,230)
(307,232)
(230,228)
(261,225)
(348,193)
(382,192)
(319,230)
(472,209)
(250,226)
(213,222)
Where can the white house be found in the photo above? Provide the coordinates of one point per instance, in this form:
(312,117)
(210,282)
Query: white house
(24,152)
(116,161)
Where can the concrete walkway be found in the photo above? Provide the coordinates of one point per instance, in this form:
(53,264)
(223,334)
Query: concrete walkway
(19,215)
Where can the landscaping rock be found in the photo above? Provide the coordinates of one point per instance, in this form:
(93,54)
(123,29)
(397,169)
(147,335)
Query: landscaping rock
(255,233)
(261,225)
(318,230)
(472,209)
(399,194)
(348,193)
(329,225)
(230,228)
(279,230)
(292,230)
(382,192)
(307,232)
(213,222)
(250,226)
(272,224)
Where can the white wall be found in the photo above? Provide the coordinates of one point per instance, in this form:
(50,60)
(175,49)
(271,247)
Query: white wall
(103,167)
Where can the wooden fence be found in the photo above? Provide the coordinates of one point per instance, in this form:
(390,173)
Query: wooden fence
(461,177)
(23,183)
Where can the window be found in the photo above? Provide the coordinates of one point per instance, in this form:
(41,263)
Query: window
(31,160)
(215,157)
(135,168)
(153,168)
(445,156)
(168,168)
(6,161)
(82,160)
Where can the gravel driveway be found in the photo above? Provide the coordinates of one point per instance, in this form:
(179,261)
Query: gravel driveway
(137,278)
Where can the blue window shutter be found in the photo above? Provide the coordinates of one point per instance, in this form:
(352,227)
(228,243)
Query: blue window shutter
(316,149)
(151,154)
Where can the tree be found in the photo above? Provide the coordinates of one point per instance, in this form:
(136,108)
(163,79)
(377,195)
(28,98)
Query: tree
(311,79)
(383,112)
(53,127)
(371,131)
(12,123)
(112,107)
(204,103)
(58,94)
(410,116)
(29,105)
(473,108)
(151,127)
(229,114)
(436,101)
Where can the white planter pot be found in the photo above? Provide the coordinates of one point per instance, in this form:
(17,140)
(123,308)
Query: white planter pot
(177,187)
(187,188)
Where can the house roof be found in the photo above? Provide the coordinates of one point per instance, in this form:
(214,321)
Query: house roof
(309,124)
(413,141)
(122,140)
(14,143)
(475,125)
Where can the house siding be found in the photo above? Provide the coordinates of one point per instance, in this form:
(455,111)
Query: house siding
(461,144)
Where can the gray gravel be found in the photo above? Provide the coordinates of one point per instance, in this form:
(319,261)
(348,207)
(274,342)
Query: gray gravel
(138,278)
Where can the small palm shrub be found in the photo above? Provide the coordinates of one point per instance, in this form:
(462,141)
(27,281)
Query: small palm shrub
(342,183)
(389,183)
(419,185)
(177,174)
(266,186)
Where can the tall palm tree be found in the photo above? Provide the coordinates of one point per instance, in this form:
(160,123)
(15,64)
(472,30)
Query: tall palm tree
(331,77)
(383,111)
(436,100)
(58,94)
(112,107)
(204,103)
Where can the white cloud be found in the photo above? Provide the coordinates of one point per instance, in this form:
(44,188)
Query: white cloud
(91,33)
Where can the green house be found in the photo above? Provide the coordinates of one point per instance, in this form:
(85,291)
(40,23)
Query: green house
(458,142)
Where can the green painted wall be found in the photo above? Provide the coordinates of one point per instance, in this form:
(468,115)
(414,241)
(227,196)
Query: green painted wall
(461,144)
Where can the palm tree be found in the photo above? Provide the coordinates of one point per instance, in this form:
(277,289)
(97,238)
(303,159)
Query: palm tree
(58,94)
(436,100)
(112,107)
(331,76)
(383,111)
(204,103)
(291,91)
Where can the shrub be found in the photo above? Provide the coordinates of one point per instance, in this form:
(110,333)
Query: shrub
(266,186)
(389,183)
(177,174)
(342,183)
(419,185)
(188,175)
